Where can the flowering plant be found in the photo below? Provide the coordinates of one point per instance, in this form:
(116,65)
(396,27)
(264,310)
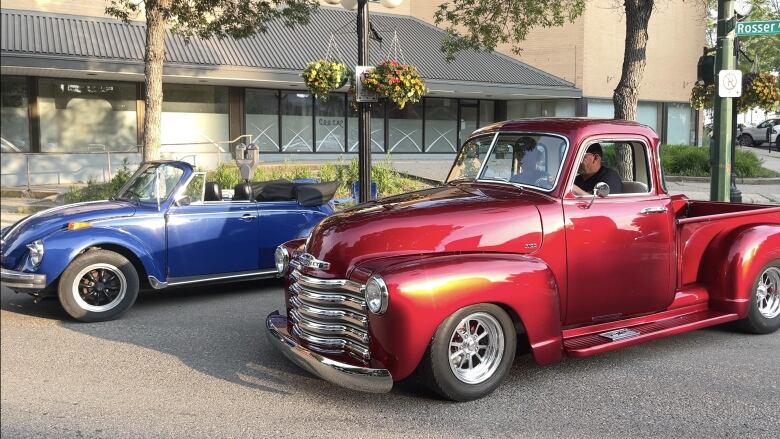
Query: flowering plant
(322,77)
(401,83)
(759,90)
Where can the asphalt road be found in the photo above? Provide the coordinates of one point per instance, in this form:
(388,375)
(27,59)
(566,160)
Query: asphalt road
(195,363)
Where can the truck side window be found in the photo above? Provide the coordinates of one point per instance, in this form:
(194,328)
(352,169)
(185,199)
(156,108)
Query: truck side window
(631,162)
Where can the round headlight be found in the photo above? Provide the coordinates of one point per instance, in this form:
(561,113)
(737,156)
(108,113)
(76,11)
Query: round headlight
(36,252)
(281,259)
(376,295)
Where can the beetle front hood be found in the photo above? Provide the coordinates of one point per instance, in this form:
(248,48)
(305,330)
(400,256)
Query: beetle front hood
(448,219)
(41,224)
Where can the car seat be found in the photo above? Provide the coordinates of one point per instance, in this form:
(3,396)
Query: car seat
(242,192)
(212,192)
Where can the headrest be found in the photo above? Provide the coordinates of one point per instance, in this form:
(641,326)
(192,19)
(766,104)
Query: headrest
(212,192)
(242,192)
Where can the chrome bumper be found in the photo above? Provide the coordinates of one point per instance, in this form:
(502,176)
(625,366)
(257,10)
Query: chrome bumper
(18,280)
(345,375)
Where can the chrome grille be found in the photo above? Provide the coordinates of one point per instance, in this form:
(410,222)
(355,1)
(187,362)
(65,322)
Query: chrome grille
(329,314)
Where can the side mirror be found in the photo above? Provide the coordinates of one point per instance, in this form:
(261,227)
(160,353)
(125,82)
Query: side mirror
(601,190)
(184,201)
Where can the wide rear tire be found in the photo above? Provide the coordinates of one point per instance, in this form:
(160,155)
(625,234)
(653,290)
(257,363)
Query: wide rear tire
(763,317)
(471,353)
(98,285)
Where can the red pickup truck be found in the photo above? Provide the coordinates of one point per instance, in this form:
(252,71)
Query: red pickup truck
(448,282)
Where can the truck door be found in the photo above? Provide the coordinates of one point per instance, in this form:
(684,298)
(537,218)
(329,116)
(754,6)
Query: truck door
(619,248)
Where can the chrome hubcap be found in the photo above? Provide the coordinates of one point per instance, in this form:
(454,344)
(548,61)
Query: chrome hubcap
(476,348)
(99,287)
(768,293)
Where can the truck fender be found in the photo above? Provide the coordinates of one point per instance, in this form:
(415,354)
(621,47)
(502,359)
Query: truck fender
(62,247)
(423,293)
(735,263)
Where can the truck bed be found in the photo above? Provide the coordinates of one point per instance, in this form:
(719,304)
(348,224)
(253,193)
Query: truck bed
(700,223)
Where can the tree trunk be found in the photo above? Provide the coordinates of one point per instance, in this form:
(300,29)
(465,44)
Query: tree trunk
(153,70)
(626,94)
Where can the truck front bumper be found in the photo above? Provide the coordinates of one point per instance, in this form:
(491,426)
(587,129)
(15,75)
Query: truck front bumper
(363,379)
(20,281)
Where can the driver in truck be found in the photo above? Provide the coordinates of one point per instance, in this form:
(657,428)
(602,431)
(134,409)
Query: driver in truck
(592,171)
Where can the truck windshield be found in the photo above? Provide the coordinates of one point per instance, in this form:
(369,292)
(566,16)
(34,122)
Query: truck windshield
(532,160)
(153,182)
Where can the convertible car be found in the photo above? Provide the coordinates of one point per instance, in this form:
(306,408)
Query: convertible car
(167,226)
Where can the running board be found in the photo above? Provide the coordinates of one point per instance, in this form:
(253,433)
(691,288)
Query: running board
(225,277)
(597,343)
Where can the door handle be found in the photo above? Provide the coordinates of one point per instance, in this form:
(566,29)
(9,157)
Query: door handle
(247,217)
(652,210)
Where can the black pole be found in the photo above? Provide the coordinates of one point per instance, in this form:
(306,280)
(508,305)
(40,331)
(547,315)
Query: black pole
(364,109)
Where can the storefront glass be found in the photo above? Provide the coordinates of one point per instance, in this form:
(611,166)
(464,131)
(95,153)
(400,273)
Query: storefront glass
(87,116)
(406,127)
(195,119)
(377,128)
(331,117)
(297,133)
(468,118)
(262,118)
(679,128)
(441,125)
(14,118)
(647,113)
(486,112)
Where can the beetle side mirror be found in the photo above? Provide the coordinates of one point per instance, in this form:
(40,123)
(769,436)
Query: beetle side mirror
(184,201)
(601,190)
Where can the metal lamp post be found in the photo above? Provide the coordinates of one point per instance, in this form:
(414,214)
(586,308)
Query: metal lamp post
(364,108)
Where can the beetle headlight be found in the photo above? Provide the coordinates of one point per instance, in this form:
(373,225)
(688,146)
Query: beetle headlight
(376,295)
(281,259)
(36,252)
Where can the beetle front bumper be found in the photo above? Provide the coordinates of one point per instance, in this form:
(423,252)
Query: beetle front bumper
(27,282)
(363,379)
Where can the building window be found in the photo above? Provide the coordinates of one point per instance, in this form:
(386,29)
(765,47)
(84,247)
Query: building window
(15,120)
(195,118)
(469,110)
(565,108)
(331,117)
(377,128)
(601,108)
(679,130)
(441,125)
(87,116)
(486,112)
(297,133)
(406,126)
(647,114)
(262,118)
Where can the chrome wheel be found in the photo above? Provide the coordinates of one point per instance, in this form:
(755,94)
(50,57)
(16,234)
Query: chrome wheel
(476,348)
(768,293)
(99,287)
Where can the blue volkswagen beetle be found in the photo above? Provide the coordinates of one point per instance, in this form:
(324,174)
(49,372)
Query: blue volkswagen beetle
(167,226)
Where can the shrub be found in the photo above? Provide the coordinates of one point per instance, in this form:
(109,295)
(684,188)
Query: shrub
(99,191)
(692,161)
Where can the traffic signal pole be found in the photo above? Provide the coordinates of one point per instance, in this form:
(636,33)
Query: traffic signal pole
(720,184)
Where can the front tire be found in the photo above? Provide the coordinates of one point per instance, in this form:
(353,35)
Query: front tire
(98,285)
(470,353)
(763,317)
(745,140)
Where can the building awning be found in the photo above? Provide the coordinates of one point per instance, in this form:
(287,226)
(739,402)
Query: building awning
(61,45)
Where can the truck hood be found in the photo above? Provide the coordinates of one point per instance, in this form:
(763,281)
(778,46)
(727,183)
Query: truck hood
(41,224)
(448,219)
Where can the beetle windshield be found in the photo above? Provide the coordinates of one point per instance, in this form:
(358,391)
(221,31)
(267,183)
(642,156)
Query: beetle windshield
(532,160)
(153,182)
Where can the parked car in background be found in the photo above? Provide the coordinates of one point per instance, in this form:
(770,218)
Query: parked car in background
(448,281)
(757,136)
(167,226)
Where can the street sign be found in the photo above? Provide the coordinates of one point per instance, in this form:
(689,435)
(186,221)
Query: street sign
(753,28)
(361,94)
(730,83)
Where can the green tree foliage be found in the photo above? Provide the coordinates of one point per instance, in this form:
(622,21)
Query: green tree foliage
(763,49)
(197,18)
(485,24)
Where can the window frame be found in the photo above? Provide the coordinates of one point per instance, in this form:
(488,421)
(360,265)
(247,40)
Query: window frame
(622,139)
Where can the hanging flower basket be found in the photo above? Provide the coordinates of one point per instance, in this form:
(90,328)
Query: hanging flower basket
(322,77)
(399,83)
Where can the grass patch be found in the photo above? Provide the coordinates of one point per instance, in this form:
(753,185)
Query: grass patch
(692,161)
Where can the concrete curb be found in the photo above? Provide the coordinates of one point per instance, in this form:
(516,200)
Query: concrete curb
(23,193)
